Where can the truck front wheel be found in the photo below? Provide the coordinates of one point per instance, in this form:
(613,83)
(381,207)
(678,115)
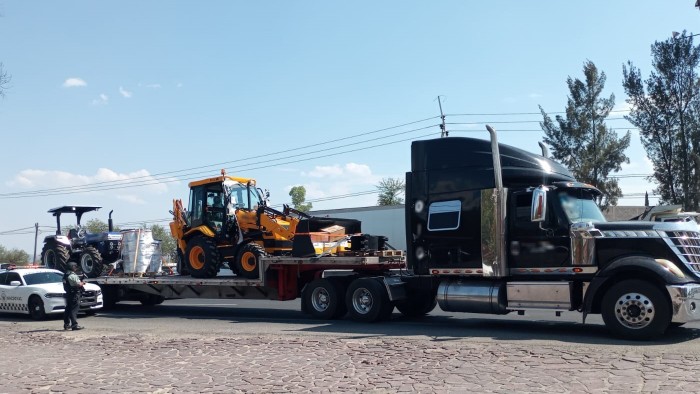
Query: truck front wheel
(324,299)
(202,257)
(417,306)
(636,309)
(368,301)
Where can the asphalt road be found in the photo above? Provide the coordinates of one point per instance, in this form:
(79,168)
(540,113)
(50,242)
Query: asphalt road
(256,317)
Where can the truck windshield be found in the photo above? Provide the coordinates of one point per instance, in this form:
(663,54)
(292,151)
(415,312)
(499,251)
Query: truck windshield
(580,206)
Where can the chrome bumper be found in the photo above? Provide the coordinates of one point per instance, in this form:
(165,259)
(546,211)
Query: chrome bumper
(685,301)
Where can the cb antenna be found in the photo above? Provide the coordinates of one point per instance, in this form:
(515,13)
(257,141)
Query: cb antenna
(443,129)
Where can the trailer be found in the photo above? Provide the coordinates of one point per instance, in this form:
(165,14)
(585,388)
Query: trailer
(322,283)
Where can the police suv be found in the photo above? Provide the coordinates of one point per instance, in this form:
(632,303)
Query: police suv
(39,292)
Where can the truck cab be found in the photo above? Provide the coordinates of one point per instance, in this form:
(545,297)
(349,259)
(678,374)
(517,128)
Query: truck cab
(495,229)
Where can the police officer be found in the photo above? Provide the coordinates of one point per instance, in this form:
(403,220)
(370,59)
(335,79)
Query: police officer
(72,285)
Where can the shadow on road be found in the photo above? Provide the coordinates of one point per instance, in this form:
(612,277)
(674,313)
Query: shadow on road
(439,328)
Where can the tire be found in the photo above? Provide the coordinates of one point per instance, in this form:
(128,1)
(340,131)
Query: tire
(180,266)
(675,325)
(625,319)
(151,300)
(91,262)
(367,301)
(36,308)
(324,299)
(247,262)
(417,307)
(202,257)
(55,256)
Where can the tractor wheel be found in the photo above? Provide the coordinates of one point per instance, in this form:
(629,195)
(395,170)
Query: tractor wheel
(367,301)
(248,260)
(202,257)
(91,262)
(180,265)
(55,256)
(636,309)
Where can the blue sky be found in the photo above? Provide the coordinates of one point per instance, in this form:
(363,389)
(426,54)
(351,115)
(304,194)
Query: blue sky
(108,91)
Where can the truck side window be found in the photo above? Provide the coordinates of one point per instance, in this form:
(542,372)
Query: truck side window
(444,215)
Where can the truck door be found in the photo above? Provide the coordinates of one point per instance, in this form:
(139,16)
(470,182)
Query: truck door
(531,245)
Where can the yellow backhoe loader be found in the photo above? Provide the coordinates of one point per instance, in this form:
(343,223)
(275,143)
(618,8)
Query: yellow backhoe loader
(228,220)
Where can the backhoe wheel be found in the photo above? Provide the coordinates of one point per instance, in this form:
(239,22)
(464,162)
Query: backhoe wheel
(180,265)
(248,260)
(55,255)
(324,299)
(636,309)
(367,301)
(91,262)
(202,257)
(417,307)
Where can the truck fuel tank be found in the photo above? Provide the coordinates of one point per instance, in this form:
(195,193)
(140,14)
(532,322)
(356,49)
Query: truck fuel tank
(455,295)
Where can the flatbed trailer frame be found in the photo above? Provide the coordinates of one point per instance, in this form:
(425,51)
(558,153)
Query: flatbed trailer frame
(281,278)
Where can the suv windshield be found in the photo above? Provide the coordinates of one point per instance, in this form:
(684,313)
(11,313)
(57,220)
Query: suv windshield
(43,277)
(579,206)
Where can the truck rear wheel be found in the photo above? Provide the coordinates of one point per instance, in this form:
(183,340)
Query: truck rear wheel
(55,255)
(91,262)
(368,301)
(636,309)
(417,306)
(248,260)
(324,299)
(202,257)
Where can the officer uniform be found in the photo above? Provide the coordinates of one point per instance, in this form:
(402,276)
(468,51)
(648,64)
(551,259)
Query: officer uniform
(71,285)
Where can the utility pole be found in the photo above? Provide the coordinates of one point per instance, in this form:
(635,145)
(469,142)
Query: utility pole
(443,130)
(36,237)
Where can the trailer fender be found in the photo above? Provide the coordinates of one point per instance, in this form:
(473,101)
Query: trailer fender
(61,239)
(661,272)
(395,287)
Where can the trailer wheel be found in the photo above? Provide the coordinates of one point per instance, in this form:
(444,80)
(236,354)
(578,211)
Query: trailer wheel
(151,300)
(417,307)
(202,257)
(368,301)
(91,262)
(324,299)
(636,309)
(248,260)
(55,256)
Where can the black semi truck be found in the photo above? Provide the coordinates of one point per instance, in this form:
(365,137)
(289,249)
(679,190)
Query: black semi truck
(495,229)
(489,229)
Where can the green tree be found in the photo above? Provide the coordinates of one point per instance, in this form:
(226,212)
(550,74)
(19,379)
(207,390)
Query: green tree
(13,256)
(582,141)
(298,194)
(167,244)
(666,109)
(389,191)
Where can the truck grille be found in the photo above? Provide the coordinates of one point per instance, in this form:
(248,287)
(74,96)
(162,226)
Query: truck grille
(686,244)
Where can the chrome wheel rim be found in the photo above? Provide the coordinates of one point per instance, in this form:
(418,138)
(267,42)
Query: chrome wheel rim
(634,310)
(362,301)
(86,263)
(320,299)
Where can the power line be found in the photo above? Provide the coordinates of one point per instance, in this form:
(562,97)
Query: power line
(521,113)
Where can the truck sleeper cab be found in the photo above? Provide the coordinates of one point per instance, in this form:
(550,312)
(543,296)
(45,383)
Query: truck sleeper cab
(495,229)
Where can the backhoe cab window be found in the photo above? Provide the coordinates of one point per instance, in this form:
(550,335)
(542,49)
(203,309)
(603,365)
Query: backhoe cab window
(239,196)
(580,206)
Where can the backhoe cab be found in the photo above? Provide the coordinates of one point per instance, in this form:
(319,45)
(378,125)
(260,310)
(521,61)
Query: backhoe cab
(228,220)
(92,252)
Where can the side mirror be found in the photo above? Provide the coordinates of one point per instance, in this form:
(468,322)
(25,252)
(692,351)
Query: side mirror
(538,212)
(15,283)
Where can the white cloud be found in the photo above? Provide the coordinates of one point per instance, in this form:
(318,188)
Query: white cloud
(153,85)
(125,93)
(534,95)
(179,85)
(46,179)
(338,179)
(621,109)
(74,82)
(102,100)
